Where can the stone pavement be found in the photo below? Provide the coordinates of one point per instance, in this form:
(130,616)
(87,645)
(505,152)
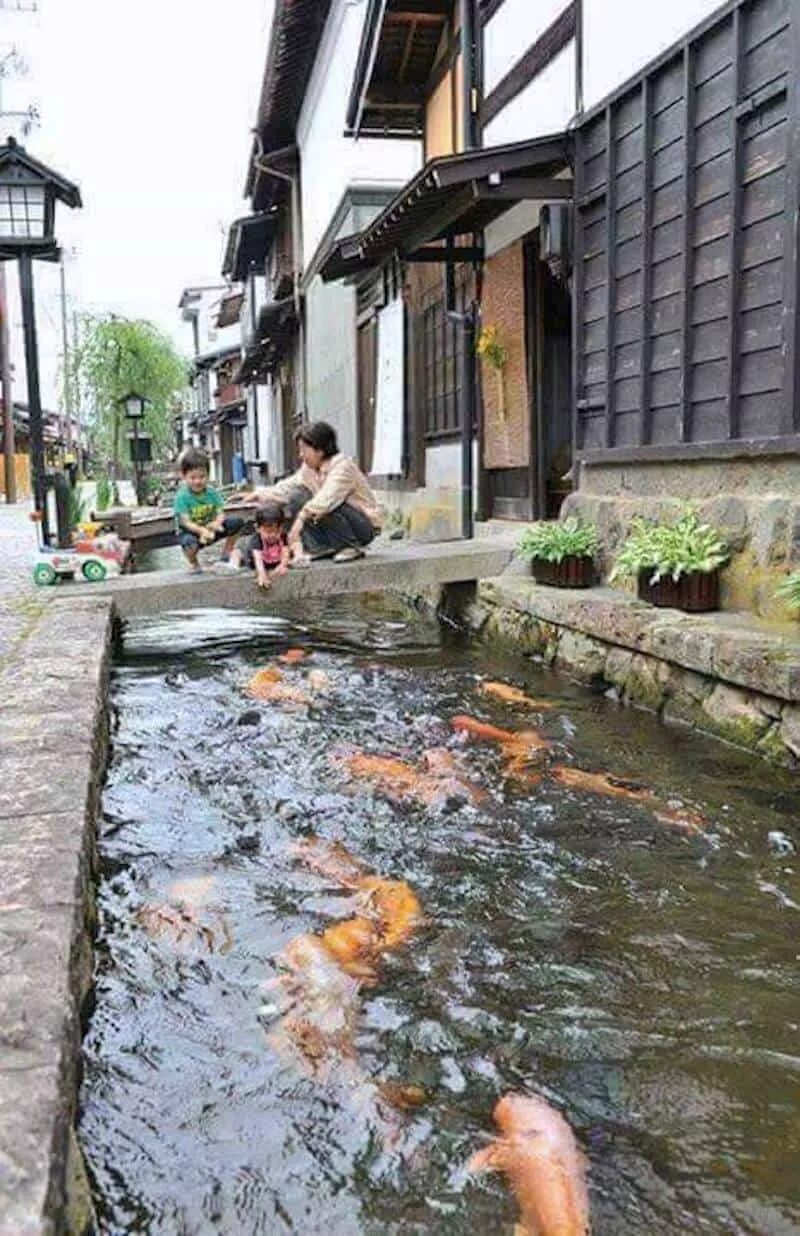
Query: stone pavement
(21,603)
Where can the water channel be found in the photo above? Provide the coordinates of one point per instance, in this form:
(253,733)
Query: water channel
(642,977)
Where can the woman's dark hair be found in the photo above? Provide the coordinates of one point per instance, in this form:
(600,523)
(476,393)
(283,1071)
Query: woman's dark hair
(321,436)
(191,459)
(270,513)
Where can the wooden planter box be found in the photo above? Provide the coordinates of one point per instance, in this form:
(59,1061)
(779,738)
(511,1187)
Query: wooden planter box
(696,592)
(572,572)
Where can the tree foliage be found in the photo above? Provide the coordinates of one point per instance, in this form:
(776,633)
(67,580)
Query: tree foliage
(114,357)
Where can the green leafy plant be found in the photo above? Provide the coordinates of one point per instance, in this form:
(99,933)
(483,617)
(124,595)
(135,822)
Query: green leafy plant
(76,507)
(790,590)
(670,549)
(105,493)
(553,542)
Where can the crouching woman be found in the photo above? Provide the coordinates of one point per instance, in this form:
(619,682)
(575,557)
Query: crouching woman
(333,510)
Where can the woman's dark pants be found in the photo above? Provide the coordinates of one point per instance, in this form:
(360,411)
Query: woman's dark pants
(344,528)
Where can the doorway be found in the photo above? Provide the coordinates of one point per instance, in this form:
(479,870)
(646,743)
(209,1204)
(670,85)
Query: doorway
(549,344)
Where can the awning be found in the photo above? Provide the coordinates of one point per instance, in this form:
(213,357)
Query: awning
(233,413)
(249,241)
(229,309)
(207,360)
(275,332)
(401,47)
(454,196)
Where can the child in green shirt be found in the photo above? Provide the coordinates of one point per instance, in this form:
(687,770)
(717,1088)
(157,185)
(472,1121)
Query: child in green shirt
(199,512)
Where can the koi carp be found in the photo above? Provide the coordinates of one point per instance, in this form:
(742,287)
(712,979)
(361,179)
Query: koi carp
(538,1154)
(513,695)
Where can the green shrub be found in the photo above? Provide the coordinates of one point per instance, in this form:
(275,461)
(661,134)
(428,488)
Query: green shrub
(76,507)
(670,549)
(554,541)
(104,493)
(790,590)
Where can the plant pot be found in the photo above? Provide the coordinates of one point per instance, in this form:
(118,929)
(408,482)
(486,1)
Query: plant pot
(696,592)
(571,572)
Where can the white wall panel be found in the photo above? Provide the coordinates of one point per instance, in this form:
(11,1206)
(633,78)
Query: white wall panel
(329,160)
(545,106)
(516,25)
(621,37)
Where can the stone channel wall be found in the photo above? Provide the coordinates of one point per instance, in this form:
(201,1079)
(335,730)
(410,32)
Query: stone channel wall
(736,679)
(53,744)
(754,503)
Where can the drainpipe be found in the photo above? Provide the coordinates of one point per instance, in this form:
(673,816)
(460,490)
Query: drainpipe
(469,87)
(297,253)
(467,319)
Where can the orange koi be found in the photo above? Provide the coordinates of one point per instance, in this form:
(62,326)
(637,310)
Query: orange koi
(538,1153)
(480,729)
(293,656)
(513,695)
(684,818)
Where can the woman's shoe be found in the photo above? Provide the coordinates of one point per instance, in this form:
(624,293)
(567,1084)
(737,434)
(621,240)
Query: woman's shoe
(350,554)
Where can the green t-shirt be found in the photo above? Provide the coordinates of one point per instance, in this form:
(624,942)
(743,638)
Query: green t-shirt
(202,508)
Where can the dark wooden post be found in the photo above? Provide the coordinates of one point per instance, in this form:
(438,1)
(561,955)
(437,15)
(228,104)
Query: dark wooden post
(34,396)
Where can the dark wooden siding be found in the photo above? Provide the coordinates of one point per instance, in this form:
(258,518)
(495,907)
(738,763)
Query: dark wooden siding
(686,237)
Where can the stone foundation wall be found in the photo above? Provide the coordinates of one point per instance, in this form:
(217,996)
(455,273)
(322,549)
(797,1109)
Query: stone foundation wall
(764,723)
(755,504)
(53,740)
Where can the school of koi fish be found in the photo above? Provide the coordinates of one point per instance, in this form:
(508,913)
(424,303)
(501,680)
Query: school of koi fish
(312,1003)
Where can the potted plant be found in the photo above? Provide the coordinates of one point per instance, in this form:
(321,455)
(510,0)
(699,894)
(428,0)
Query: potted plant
(560,554)
(674,565)
(790,590)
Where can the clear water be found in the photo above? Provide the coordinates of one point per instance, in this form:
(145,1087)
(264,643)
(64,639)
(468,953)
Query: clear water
(646,983)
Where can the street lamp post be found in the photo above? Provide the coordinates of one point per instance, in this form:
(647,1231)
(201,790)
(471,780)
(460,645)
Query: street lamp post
(28,194)
(134,412)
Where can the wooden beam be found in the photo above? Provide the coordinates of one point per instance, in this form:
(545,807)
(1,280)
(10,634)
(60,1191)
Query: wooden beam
(611,271)
(383,95)
(645,355)
(458,253)
(734,235)
(412,30)
(526,189)
(747,448)
(791,232)
(688,239)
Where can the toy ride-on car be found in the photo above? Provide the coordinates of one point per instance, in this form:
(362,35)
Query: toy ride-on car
(93,560)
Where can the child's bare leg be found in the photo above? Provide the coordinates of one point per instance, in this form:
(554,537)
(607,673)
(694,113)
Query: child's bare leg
(191,557)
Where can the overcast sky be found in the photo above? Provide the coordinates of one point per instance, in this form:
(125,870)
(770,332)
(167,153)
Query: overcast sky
(147,106)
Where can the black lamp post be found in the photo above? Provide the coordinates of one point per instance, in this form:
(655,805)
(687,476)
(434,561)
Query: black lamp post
(28,194)
(134,412)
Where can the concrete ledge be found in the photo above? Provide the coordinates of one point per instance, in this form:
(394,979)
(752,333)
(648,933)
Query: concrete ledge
(735,648)
(52,745)
(735,678)
(399,567)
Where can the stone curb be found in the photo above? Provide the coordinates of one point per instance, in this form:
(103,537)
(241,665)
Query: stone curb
(735,648)
(53,740)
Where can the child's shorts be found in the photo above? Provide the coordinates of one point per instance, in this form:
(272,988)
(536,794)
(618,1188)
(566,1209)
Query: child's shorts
(232,525)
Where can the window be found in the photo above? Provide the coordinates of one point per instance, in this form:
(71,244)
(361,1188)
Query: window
(442,342)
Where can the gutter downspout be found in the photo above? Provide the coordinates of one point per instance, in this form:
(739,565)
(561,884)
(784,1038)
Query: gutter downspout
(297,253)
(468,319)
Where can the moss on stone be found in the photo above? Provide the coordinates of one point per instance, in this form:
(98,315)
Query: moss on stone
(773,748)
(642,685)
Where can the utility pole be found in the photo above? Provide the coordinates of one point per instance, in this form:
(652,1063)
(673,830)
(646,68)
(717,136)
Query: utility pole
(65,341)
(9,446)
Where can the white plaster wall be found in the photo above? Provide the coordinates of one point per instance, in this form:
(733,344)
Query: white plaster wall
(620,37)
(516,25)
(545,106)
(329,161)
(331,347)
